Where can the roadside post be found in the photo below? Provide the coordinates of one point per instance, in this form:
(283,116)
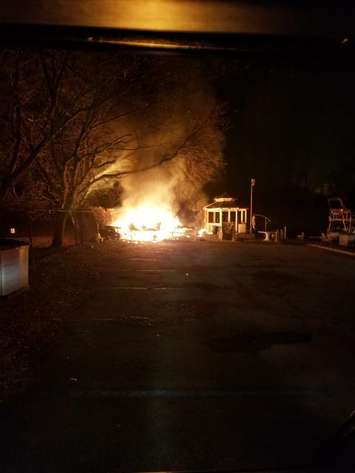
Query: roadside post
(252,185)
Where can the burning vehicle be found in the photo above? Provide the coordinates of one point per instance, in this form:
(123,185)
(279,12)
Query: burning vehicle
(109,232)
(148,223)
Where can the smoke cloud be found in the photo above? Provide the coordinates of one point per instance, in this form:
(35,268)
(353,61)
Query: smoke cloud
(184,123)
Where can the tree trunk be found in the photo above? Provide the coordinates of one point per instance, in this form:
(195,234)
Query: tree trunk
(77,228)
(59,224)
(4,187)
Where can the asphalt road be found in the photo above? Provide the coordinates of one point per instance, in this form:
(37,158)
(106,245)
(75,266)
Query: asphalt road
(194,355)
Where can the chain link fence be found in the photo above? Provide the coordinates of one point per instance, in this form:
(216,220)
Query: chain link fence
(39,227)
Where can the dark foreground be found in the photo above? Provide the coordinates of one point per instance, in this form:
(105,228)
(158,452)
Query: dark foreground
(187,356)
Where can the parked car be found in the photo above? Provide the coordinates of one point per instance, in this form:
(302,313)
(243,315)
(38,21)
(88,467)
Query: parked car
(109,232)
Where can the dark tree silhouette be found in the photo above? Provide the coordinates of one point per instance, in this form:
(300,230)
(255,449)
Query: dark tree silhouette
(85,121)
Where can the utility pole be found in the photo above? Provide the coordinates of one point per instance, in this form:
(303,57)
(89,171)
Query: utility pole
(252,184)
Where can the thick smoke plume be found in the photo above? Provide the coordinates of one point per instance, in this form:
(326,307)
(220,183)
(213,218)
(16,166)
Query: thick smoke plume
(183,127)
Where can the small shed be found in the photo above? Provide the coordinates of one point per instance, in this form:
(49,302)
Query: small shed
(224,217)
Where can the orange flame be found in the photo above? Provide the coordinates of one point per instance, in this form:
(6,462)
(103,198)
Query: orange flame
(147,222)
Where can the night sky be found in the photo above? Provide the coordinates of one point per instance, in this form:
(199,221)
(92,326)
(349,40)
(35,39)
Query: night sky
(291,126)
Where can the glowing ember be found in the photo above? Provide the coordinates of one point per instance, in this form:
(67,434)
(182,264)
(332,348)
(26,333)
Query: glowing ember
(148,223)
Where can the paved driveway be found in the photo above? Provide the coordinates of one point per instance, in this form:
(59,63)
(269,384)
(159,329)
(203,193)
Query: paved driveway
(194,355)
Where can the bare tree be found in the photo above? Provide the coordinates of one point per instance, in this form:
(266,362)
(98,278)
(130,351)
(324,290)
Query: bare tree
(84,122)
(89,158)
(99,136)
(109,140)
(31,87)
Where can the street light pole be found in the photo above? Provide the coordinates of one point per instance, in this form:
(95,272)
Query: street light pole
(252,184)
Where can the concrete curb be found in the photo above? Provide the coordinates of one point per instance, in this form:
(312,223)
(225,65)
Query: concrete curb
(334,250)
